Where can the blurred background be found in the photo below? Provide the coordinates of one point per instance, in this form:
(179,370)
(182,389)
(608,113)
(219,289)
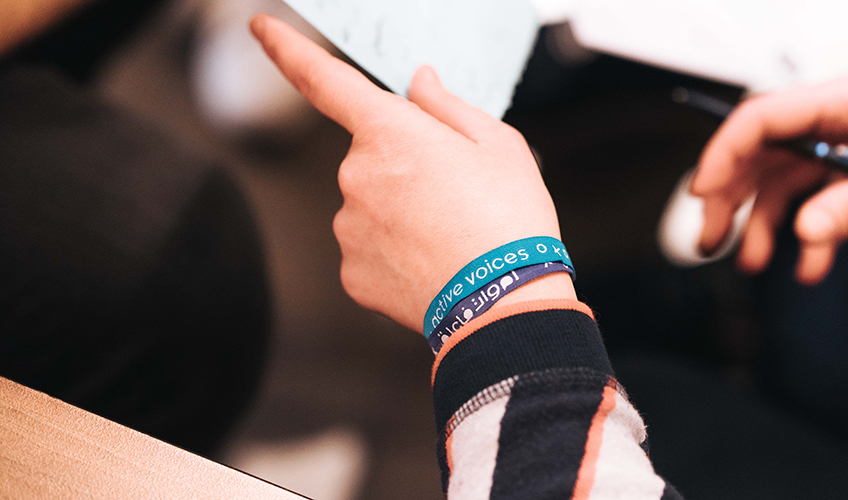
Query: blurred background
(343,408)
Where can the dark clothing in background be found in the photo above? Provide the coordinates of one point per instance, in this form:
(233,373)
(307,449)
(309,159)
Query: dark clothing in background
(803,359)
(77,46)
(131,273)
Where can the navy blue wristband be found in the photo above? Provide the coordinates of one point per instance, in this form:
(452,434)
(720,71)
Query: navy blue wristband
(480,301)
(493,264)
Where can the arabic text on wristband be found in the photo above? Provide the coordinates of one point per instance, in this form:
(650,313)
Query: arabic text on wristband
(482,300)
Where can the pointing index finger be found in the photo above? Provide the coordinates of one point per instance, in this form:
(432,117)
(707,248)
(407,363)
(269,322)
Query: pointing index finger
(335,88)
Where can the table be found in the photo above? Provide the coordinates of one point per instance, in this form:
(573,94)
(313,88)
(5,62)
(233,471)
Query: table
(50,449)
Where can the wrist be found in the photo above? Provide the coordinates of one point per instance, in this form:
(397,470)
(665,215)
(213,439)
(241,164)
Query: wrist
(530,257)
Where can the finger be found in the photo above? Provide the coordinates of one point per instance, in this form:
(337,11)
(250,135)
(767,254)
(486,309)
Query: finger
(773,201)
(720,206)
(427,92)
(824,217)
(730,156)
(821,227)
(804,111)
(335,88)
(814,263)
(718,216)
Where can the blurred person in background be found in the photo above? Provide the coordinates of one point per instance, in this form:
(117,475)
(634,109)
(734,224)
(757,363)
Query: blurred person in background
(800,219)
(71,36)
(131,273)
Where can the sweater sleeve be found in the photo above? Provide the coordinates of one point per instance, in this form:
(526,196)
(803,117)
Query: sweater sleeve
(527,407)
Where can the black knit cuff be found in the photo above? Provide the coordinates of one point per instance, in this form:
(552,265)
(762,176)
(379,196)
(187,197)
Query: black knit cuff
(519,344)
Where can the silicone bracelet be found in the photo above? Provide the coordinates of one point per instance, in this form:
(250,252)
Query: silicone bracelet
(491,265)
(482,300)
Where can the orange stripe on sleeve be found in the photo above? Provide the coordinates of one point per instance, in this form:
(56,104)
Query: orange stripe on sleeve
(449,451)
(589,465)
(498,313)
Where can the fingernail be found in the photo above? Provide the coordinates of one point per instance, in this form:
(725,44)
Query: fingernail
(428,74)
(258,25)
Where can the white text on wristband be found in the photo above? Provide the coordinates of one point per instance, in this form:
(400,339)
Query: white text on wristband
(480,301)
(491,265)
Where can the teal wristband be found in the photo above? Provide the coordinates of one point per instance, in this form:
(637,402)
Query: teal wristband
(492,265)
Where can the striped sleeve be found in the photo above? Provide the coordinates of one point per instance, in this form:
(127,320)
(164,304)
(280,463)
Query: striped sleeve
(527,407)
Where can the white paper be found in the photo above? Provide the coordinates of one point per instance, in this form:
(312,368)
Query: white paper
(758,44)
(479,48)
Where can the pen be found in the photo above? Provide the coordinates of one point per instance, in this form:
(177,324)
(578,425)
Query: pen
(835,157)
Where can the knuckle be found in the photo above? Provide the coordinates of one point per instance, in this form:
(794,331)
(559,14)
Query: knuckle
(351,283)
(341,227)
(338,224)
(511,134)
(347,281)
(347,270)
(348,178)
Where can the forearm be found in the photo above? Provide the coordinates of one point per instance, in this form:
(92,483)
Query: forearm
(527,407)
(22,20)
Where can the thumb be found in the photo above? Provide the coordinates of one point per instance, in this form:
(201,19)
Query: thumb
(428,93)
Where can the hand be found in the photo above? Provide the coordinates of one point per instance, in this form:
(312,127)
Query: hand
(429,183)
(742,159)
